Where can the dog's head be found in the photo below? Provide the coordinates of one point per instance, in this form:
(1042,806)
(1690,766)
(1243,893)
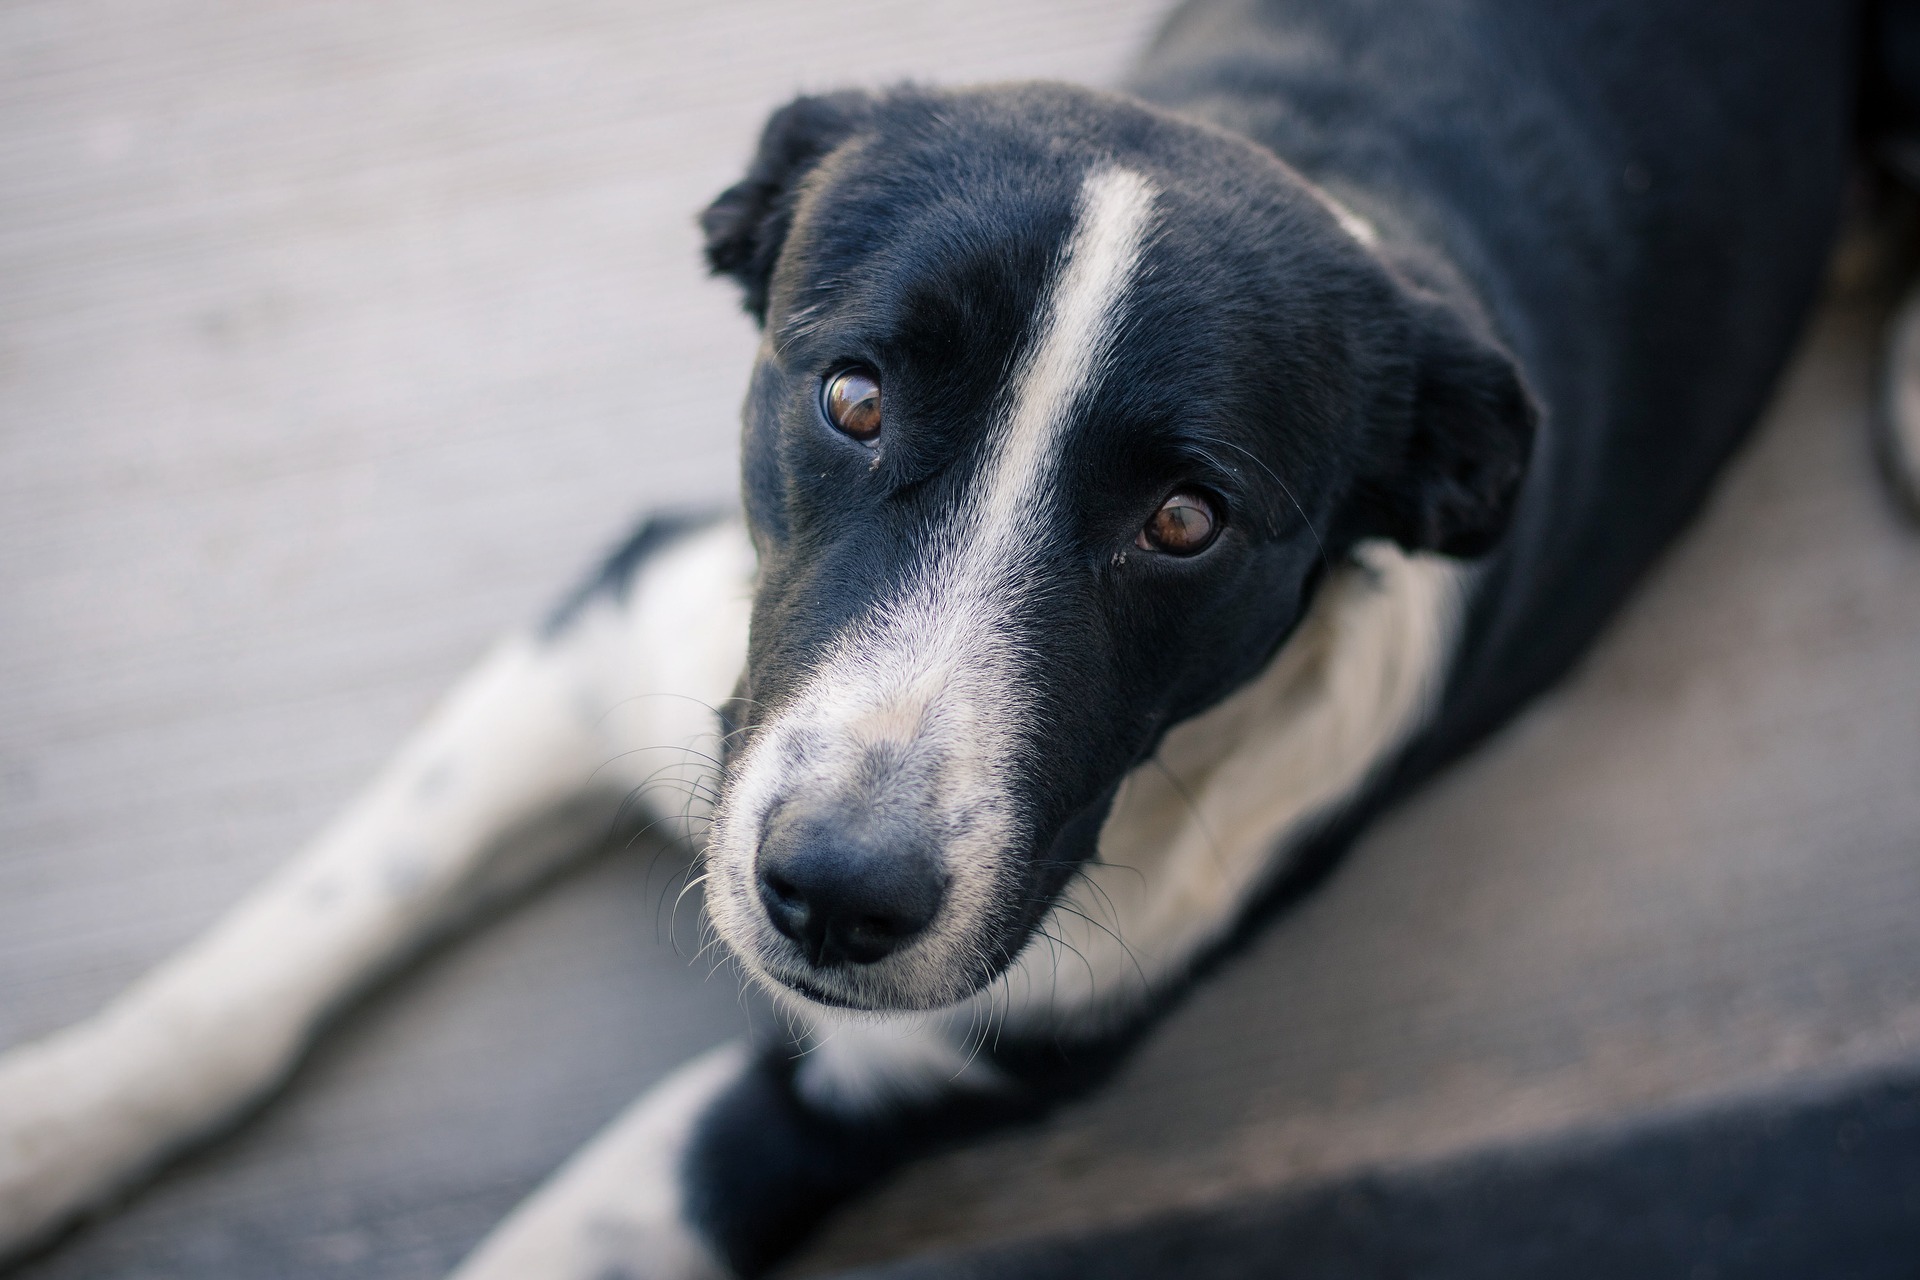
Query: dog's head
(1063,407)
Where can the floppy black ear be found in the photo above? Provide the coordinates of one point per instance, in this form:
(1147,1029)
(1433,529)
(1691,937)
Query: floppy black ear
(1453,487)
(747,224)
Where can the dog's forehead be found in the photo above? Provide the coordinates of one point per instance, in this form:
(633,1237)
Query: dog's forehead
(890,240)
(932,254)
(968,479)
(935,240)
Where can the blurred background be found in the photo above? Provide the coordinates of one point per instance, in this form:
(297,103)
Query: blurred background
(337,338)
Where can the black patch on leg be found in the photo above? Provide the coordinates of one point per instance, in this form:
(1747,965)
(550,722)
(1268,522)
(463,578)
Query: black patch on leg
(763,1168)
(615,574)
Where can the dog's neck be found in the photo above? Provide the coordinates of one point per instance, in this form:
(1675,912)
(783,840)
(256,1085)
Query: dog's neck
(1194,831)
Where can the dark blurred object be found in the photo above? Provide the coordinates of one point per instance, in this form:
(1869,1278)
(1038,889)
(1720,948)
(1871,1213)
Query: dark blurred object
(1892,99)
(1823,1186)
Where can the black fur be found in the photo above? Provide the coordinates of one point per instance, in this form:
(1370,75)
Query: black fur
(765,1167)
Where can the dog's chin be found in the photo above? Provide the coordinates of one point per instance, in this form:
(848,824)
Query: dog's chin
(835,989)
(814,992)
(869,989)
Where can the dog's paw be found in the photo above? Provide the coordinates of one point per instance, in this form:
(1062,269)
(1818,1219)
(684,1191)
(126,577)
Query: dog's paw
(1897,413)
(87,1111)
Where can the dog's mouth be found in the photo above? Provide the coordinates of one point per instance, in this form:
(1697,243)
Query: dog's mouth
(897,985)
(818,994)
(948,976)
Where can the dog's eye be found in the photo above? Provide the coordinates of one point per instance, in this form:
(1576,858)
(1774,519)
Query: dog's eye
(1184,525)
(851,401)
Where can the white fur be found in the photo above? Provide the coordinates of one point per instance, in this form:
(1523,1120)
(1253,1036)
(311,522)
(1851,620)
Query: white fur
(1358,229)
(930,684)
(859,1064)
(1192,835)
(1352,223)
(537,728)
(616,1210)
(1196,831)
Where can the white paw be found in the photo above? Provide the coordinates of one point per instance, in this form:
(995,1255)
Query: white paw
(88,1110)
(69,1134)
(46,1170)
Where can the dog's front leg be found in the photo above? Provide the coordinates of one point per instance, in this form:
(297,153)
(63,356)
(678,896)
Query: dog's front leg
(528,760)
(721,1169)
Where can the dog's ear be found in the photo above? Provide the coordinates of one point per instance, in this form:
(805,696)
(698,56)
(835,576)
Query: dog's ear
(1452,486)
(746,225)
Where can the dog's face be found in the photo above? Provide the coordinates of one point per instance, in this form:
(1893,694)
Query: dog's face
(1062,410)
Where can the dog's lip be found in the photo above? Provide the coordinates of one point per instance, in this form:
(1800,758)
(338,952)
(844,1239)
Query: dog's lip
(819,995)
(822,995)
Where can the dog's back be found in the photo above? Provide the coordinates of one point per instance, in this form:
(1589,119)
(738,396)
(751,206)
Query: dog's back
(1642,194)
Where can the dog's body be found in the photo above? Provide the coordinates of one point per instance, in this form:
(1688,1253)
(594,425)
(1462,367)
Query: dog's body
(1441,320)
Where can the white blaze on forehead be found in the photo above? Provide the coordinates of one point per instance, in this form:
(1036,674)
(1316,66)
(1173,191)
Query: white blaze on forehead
(1081,315)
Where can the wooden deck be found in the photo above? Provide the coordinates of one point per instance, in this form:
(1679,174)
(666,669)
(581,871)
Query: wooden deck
(335,338)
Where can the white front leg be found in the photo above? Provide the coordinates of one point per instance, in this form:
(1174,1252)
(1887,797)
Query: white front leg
(526,762)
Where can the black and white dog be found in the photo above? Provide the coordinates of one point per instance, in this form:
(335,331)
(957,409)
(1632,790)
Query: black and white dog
(1140,491)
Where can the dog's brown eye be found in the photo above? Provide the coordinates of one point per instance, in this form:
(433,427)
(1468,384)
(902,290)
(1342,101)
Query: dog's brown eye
(1184,525)
(852,403)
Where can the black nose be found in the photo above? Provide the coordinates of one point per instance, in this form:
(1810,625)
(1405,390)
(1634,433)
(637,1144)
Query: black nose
(846,890)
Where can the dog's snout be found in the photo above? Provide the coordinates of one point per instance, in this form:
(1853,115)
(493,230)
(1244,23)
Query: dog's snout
(845,892)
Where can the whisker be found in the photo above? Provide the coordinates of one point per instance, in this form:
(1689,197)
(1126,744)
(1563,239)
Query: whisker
(1325,559)
(1135,960)
(1193,807)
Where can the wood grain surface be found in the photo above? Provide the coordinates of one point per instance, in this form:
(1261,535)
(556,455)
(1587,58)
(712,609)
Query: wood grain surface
(335,338)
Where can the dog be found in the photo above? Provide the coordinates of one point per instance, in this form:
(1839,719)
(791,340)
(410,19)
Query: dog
(1140,491)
